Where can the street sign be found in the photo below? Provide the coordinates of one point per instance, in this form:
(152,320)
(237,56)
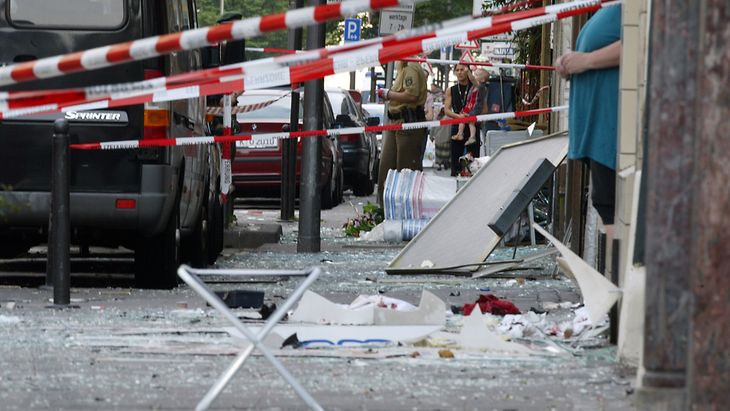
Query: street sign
(469,45)
(395,19)
(466,58)
(352,30)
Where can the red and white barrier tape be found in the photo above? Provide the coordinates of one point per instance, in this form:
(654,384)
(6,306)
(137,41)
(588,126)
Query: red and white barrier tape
(24,99)
(187,40)
(73,96)
(186,141)
(247,108)
(511,7)
(344,62)
(480,63)
(226,152)
(273,50)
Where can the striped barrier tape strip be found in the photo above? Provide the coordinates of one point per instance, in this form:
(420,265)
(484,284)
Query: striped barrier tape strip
(23,99)
(249,107)
(186,141)
(345,62)
(70,97)
(480,63)
(186,40)
(512,7)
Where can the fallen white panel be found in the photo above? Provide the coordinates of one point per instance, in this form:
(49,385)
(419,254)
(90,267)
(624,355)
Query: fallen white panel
(314,308)
(431,311)
(475,334)
(599,294)
(344,335)
(459,233)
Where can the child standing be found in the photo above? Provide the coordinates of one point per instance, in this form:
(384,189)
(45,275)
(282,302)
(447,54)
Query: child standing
(473,106)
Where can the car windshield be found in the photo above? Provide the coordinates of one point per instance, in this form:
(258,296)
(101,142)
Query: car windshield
(339,103)
(77,14)
(266,107)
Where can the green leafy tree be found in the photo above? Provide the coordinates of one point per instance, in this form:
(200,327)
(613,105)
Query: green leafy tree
(209,11)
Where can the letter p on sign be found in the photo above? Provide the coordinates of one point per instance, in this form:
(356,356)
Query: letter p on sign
(352,30)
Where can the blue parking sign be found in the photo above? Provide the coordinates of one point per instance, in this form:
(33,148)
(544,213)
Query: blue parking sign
(352,30)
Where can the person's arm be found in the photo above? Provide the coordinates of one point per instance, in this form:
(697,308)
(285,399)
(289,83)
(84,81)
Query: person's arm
(481,98)
(447,105)
(472,79)
(576,62)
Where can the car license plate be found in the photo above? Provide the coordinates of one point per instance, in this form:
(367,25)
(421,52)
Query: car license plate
(259,142)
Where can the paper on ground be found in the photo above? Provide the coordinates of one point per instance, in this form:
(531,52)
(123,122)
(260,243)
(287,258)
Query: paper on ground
(599,294)
(314,308)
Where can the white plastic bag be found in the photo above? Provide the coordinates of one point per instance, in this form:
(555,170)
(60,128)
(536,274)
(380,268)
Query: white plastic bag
(429,156)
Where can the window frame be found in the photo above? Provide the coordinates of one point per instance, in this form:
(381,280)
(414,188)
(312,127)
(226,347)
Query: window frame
(11,21)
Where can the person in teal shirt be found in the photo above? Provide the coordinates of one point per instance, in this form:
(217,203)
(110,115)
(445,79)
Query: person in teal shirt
(593,114)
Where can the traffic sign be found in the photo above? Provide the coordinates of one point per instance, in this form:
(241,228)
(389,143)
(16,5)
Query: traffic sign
(352,30)
(466,58)
(469,45)
(395,19)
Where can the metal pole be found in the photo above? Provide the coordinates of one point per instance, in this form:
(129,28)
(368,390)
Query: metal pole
(223,7)
(373,81)
(388,84)
(289,146)
(309,240)
(59,260)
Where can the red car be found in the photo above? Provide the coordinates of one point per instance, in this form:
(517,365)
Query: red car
(257,164)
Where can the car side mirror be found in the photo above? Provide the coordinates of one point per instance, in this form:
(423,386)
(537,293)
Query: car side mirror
(373,121)
(344,120)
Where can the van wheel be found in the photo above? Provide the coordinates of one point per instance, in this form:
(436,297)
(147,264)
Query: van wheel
(157,258)
(215,228)
(196,245)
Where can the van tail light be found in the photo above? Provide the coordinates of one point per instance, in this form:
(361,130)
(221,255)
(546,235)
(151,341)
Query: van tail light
(156,115)
(126,204)
(156,122)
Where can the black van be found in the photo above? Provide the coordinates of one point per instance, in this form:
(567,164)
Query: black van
(163,203)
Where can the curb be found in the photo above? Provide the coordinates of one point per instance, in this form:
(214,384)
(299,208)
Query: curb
(252,235)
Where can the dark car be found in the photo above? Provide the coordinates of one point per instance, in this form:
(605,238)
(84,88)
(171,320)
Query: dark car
(257,166)
(360,150)
(161,202)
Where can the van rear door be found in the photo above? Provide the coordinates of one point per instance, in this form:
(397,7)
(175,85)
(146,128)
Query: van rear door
(33,29)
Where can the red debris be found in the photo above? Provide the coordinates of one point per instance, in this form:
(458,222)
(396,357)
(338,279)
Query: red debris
(490,303)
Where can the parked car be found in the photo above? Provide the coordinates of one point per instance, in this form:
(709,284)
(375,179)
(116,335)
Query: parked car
(257,165)
(376,110)
(161,202)
(360,150)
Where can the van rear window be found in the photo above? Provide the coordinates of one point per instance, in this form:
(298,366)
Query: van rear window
(67,14)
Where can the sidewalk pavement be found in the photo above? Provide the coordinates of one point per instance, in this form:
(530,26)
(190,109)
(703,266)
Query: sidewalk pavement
(132,349)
